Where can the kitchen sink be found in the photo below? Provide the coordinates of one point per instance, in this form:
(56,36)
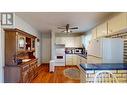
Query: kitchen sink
(26,60)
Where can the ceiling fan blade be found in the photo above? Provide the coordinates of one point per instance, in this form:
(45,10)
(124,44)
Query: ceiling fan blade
(64,31)
(61,27)
(74,28)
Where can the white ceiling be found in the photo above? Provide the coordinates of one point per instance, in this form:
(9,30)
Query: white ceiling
(44,21)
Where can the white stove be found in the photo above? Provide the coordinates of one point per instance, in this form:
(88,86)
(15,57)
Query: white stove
(60,55)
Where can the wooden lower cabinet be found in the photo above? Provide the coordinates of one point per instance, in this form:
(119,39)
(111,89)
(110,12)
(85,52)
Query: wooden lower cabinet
(23,73)
(25,76)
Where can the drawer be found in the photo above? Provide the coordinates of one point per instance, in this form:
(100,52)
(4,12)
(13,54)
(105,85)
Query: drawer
(33,63)
(90,71)
(122,71)
(25,67)
(69,59)
(82,79)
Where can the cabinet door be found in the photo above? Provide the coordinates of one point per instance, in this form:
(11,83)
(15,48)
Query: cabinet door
(25,76)
(78,60)
(93,60)
(94,33)
(32,44)
(58,40)
(69,42)
(75,59)
(117,23)
(83,60)
(21,42)
(77,41)
(102,30)
(69,59)
(63,40)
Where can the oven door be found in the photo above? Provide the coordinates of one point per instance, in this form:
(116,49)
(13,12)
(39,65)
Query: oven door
(60,55)
(60,58)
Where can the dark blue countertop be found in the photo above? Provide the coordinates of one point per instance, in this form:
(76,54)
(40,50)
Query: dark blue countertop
(105,66)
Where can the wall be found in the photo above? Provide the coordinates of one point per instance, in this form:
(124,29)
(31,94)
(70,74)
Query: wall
(1,53)
(46,47)
(53,43)
(86,39)
(1,72)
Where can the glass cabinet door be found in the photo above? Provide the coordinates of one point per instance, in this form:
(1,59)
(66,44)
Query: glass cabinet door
(33,44)
(21,42)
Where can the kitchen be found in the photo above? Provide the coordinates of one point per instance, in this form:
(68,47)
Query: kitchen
(71,52)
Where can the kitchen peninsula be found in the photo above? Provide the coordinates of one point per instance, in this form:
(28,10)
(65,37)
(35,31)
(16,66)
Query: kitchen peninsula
(88,71)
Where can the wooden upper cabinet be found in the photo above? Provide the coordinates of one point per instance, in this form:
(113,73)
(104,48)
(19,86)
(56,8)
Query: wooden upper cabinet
(117,23)
(94,33)
(25,42)
(10,47)
(102,30)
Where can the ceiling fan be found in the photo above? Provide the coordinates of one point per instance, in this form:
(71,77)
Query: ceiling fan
(67,28)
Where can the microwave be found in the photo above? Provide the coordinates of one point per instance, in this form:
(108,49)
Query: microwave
(78,51)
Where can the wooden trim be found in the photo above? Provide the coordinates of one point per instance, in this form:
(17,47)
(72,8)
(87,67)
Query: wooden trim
(20,31)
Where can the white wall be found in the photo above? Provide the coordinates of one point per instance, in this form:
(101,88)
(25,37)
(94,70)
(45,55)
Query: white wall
(86,39)
(1,71)
(53,44)
(46,47)
(1,63)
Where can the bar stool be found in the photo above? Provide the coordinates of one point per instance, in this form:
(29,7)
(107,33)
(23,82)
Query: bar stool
(105,77)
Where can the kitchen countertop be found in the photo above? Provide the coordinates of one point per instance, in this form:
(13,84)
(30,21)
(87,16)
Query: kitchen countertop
(105,66)
(23,63)
(82,55)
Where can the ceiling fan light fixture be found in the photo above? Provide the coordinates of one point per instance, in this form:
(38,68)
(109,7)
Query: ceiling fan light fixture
(65,31)
(69,31)
(67,28)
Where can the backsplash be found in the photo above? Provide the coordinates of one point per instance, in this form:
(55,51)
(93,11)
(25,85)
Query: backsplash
(124,36)
(74,50)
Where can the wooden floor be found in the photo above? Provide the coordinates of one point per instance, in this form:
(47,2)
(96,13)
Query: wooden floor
(56,77)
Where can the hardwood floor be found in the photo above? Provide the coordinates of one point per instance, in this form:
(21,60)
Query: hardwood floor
(57,77)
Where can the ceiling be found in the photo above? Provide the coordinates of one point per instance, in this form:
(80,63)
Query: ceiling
(45,21)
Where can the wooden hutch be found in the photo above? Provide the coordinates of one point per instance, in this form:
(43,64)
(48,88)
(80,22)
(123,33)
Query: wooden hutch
(20,62)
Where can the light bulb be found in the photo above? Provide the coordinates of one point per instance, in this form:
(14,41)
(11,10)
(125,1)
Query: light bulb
(65,31)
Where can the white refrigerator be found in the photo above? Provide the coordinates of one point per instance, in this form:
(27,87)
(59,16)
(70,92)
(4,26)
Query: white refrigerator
(105,50)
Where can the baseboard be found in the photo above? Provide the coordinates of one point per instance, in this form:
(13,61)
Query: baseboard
(38,65)
(44,63)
